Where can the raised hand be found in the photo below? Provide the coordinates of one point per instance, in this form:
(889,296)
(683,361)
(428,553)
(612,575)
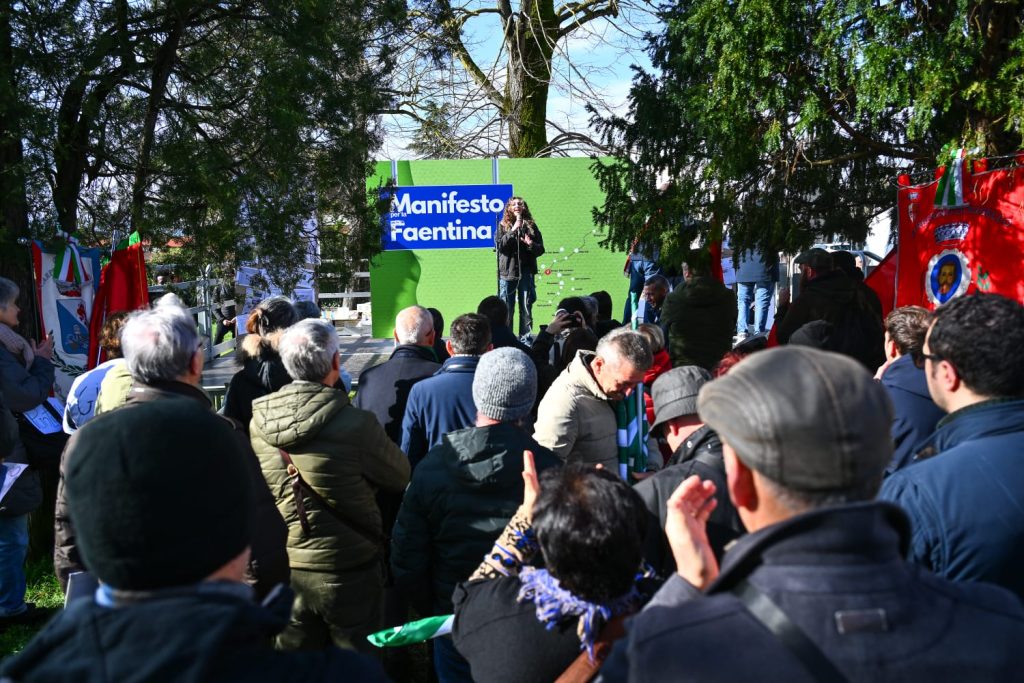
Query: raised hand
(44,349)
(686,527)
(531,485)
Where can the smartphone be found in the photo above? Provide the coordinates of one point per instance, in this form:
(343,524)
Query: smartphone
(574,318)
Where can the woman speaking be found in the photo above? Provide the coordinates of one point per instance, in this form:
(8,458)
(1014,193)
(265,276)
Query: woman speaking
(519,244)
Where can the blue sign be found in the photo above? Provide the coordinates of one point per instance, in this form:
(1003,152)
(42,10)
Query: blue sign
(444,216)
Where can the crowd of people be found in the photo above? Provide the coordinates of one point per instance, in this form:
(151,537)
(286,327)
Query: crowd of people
(847,506)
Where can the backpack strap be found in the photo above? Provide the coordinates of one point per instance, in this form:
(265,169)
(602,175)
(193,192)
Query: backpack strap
(300,486)
(583,668)
(788,634)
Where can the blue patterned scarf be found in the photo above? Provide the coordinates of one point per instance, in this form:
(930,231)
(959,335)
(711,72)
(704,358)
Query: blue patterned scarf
(555,605)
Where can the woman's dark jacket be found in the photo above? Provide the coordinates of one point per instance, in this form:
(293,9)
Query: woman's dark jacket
(262,373)
(515,259)
(503,640)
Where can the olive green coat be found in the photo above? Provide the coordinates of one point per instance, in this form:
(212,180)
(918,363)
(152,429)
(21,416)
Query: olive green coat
(343,453)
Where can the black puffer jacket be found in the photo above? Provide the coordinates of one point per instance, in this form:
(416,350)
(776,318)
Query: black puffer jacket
(262,373)
(461,497)
(699,318)
(700,454)
(839,300)
(515,258)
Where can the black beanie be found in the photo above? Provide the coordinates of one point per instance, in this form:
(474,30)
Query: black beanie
(159,494)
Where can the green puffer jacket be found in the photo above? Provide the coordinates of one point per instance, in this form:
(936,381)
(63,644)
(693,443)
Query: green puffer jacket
(343,453)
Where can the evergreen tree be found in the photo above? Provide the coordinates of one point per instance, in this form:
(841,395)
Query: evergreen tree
(788,120)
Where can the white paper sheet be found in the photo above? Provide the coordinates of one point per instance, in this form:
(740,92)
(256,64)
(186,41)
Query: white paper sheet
(11,472)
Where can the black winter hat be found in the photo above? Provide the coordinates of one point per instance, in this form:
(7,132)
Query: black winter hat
(159,494)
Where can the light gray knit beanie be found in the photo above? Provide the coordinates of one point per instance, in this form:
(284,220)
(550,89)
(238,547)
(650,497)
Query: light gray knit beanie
(505,384)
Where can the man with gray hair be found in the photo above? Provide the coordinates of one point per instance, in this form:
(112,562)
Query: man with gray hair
(576,419)
(819,590)
(325,460)
(162,352)
(117,384)
(464,492)
(384,389)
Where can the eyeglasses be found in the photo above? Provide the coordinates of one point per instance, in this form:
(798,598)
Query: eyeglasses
(921,357)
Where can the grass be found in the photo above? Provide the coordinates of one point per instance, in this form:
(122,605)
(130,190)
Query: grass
(44,591)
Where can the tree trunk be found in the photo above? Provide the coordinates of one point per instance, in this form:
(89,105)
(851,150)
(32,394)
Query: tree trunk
(163,64)
(80,108)
(15,263)
(531,49)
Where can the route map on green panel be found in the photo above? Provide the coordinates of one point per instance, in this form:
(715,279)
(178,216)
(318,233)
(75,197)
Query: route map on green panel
(560,193)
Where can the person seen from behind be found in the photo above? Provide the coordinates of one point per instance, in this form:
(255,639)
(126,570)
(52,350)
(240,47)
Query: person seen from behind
(819,589)
(172,604)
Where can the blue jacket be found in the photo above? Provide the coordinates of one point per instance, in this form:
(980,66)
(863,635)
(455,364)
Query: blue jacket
(915,413)
(24,388)
(827,569)
(966,504)
(438,405)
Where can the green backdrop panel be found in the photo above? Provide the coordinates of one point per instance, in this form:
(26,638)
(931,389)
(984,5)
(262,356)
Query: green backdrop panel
(560,193)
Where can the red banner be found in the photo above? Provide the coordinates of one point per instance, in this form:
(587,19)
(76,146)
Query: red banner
(883,280)
(123,287)
(962,233)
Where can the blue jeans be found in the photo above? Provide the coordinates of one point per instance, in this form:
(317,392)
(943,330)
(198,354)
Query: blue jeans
(761,293)
(525,291)
(639,270)
(449,665)
(13,545)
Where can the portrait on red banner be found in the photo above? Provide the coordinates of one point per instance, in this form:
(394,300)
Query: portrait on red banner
(948,275)
(961,233)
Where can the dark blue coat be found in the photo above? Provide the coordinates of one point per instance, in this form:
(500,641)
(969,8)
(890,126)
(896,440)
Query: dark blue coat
(384,389)
(915,413)
(750,267)
(831,566)
(966,503)
(438,405)
(213,632)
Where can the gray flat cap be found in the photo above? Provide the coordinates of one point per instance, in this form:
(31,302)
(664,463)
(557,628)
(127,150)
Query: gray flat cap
(807,419)
(675,393)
